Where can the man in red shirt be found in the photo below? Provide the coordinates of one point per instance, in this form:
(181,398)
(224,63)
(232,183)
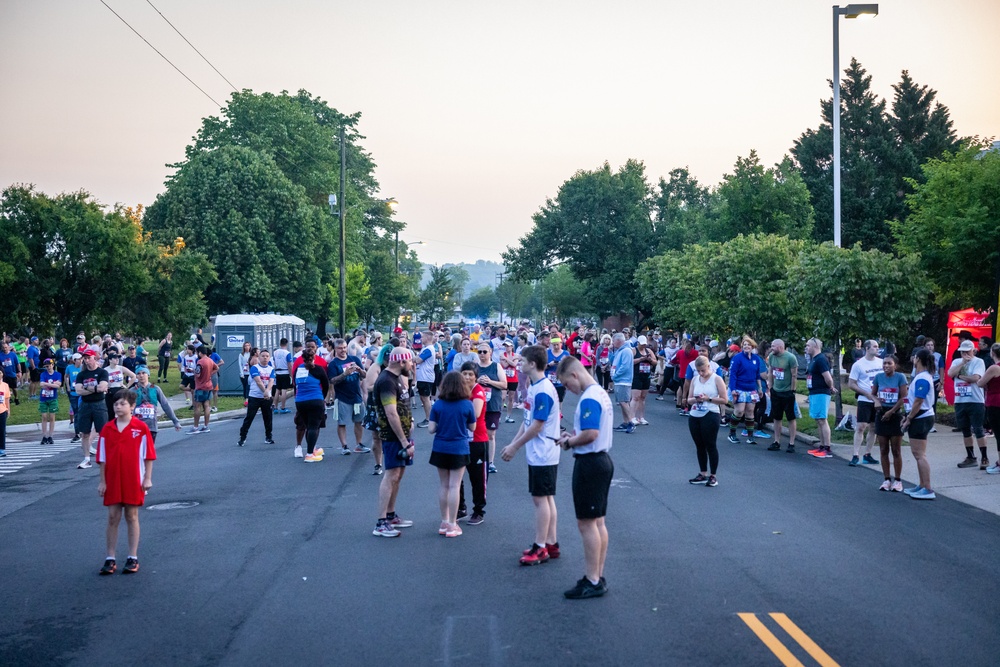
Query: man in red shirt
(203,386)
(684,356)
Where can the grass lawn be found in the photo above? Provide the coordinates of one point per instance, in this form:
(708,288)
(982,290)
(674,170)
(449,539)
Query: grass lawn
(847,396)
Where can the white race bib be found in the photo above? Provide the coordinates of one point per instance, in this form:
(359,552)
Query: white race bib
(779,373)
(809,382)
(890,396)
(643,368)
(963,389)
(145,411)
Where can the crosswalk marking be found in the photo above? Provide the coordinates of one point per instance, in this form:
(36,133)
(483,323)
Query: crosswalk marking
(21,455)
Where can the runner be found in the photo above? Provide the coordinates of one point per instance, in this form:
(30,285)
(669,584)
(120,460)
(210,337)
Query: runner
(149,397)
(706,398)
(889,392)
(478,462)
(244,363)
(510,361)
(187,360)
(204,369)
(783,368)
(745,372)
(452,417)
(371,409)
(621,376)
(69,385)
(464,354)
(91,386)
(33,357)
(863,371)
(425,362)
(219,362)
(11,370)
(603,357)
(538,432)
(119,378)
(311,387)
(819,382)
(684,356)
(990,383)
(259,397)
(346,374)
(49,382)
(970,402)
(395,422)
(919,420)
(593,470)
(4,413)
(281,360)
(644,362)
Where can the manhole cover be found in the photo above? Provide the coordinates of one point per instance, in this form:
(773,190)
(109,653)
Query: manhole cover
(182,505)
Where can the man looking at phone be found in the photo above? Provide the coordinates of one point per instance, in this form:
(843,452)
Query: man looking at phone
(346,372)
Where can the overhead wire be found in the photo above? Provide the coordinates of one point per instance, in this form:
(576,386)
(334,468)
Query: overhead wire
(192,46)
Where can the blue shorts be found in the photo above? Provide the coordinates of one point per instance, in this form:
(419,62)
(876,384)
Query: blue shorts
(819,406)
(737,396)
(202,395)
(390,455)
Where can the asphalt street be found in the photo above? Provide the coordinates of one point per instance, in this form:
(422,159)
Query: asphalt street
(276,564)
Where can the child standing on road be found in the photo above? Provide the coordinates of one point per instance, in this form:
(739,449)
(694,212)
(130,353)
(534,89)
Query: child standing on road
(125,453)
(49,382)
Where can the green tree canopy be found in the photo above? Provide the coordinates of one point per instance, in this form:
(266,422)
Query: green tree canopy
(480,304)
(756,200)
(437,300)
(954,227)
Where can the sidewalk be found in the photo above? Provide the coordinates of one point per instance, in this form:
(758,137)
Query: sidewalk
(944,450)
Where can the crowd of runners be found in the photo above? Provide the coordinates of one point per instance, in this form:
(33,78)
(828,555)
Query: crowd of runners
(462,384)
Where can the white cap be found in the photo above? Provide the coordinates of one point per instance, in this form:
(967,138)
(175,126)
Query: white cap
(76,356)
(967,346)
(713,343)
(642,340)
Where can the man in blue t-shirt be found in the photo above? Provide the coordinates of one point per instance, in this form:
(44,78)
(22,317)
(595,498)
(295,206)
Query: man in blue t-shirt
(49,381)
(346,372)
(11,368)
(33,358)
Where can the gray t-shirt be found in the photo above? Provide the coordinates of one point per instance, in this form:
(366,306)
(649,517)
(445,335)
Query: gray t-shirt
(964,391)
(494,402)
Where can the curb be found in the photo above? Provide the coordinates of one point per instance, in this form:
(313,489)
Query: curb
(185,421)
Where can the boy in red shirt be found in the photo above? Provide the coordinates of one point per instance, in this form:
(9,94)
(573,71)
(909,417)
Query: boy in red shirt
(125,454)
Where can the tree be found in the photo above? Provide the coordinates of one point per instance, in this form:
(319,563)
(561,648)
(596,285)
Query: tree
(676,285)
(357,290)
(872,164)
(565,296)
(852,293)
(756,200)
(600,226)
(179,277)
(513,298)
(922,126)
(269,246)
(954,227)
(459,280)
(437,299)
(480,304)
(685,211)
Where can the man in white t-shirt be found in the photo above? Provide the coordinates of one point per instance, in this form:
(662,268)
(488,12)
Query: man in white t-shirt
(425,360)
(538,434)
(593,470)
(863,371)
(970,402)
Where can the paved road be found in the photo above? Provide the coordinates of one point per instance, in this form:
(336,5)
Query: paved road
(277,565)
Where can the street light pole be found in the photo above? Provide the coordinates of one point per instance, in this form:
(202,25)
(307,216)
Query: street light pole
(343,236)
(851,12)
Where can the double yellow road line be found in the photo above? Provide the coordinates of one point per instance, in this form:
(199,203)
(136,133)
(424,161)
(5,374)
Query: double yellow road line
(780,650)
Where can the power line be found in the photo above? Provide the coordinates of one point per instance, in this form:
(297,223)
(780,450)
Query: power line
(160,54)
(192,45)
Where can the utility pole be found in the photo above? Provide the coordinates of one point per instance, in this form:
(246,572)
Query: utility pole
(499,294)
(343,236)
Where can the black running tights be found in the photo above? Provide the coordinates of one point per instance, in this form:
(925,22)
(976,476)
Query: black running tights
(705,432)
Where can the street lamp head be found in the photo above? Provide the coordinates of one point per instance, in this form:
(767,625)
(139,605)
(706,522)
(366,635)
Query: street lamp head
(391,203)
(860,11)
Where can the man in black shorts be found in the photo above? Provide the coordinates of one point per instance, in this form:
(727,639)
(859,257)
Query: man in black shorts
(593,469)
(782,373)
(495,384)
(395,422)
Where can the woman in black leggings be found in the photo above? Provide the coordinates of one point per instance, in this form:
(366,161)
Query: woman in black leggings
(163,355)
(706,396)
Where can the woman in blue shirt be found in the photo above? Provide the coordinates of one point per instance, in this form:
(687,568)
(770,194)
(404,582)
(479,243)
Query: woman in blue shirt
(311,388)
(452,418)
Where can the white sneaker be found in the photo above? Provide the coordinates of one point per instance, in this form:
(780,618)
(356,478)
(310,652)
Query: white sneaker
(643,422)
(886,485)
(86,464)
(93,450)
(298,451)
(193,430)
(897,486)
(344,451)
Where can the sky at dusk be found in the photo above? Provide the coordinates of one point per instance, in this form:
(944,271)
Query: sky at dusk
(474,112)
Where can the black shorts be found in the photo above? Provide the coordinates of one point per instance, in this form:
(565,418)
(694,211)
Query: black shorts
(437,378)
(282,382)
(35,375)
(310,414)
(592,475)
(425,388)
(919,428)
(782,405)
(449,461)
(640,381)
(561,393)
(542,480)
(187,381)
(890,428)
(492,421)
(866,412)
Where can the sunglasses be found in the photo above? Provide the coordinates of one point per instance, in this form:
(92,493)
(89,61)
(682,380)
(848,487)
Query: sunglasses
(483,351)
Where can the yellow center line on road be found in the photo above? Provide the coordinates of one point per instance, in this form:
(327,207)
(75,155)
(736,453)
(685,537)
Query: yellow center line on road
(772,642)
(818,654)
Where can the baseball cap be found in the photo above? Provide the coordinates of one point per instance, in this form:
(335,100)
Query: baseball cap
(713,343)
(48,362)
(76,356)
(508,343)
(734,348)
(87,353)
(642,340)
(967,346)
(397,330)
(141,369)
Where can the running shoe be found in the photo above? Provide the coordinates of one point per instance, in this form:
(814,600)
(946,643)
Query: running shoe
(712,481)
(492,469)
(744,433)
(969,462)
(630,429)
(584,590)
(623,426)
(700,479)
(76,439)
(643,422)
(215,409)
(93,450)
(751,441)
(205,429)
(131,565)
(886,486)
(869,460)
(827,454)
(553,550)
(268,441)
(283,411)
(774,447)
(853,461)
(685,413)
(790,449)
(424,424)
(913,489)
(377,470)
(109,567)
(763,435)
(443,528)
(3,453)
(732,438)
(344,451)
(318,451)
(241,442)
(923,494)
(298,452)
(383,529)
(818,452)
(85,464)
(476,519)
(509,420)
(400,523)
(461,515)
(994,470)
(361,449)
(535,556)
(983,464)
(897,486)
(194,430)
(312,458)
(454,530)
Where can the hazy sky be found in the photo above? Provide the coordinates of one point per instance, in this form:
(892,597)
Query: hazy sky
(475,111)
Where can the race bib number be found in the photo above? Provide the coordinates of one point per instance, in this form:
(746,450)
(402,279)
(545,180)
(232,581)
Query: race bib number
(145,411)
(246,369)
(552,376)
(963,389)
(888,396)
(511,373)
(115,377)
(302,373)
(90,383)
(489,393)
(48,394)
(779,373)
(643,368)
(809,382)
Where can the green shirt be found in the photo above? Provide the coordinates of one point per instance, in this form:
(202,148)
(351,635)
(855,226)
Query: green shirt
(784,369)
(21,349)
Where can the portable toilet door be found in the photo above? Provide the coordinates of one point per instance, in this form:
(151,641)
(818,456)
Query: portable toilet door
(231,331)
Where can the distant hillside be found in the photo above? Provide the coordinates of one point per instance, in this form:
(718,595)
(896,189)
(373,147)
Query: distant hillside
(481,274)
